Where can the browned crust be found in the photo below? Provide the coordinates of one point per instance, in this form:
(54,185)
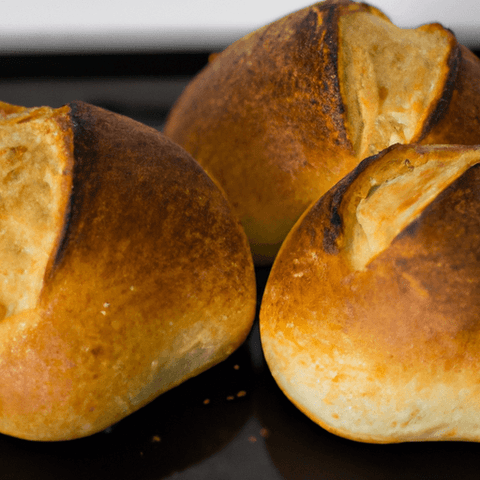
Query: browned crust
(332,201)
(62,119)
(274,115)
(266,116)
(457,117)
(152,283)
(411,317)
(441,108)
(7,109)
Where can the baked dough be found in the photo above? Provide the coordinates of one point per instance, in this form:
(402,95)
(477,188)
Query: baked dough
(284,113)
(370,317)
(123,270)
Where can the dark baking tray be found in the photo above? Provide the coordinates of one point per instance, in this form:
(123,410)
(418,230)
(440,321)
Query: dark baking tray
(231,422)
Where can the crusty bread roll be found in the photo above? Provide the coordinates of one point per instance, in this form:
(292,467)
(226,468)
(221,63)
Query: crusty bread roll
(123,270)
(284,113)
(370,321)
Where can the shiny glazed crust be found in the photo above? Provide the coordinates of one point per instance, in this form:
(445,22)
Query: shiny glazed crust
(269,120)
(387,351)
(149,282)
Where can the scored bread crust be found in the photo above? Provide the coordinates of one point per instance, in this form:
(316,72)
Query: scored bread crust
(269,119)
(456,120)
(387,351)
(149,281)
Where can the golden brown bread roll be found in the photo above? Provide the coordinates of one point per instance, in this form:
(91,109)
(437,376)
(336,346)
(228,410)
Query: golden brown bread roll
(123,270)
(284,113)
(370,321)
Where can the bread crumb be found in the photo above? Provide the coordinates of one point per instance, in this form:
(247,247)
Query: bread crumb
(252,439)
(206,401)
(236,367)
(264,432)
(156,439)
(103,312)
(241,393)
(106,305)
(230,397)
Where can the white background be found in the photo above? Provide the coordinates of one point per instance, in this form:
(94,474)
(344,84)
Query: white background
(52,25)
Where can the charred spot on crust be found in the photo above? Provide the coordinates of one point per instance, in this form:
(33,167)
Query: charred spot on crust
(334,200)
(390,194)
(330,235)
(334,228)
(308,26)
(409,231)
(330,79)
(81,136)
(444,101)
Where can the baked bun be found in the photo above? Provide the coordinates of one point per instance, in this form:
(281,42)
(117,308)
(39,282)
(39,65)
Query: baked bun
(370,321)
(284,113)
(124,271)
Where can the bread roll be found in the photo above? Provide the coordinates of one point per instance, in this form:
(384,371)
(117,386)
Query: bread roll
(370,321)
(124,271)
(284,113)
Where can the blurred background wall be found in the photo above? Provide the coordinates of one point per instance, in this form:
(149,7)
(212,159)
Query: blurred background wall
(119,25)
(136,56)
